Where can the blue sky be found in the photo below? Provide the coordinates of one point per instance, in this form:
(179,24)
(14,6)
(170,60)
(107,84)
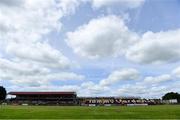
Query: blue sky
(93,47)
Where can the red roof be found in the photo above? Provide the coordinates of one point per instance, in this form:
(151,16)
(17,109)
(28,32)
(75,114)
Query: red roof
(41,93)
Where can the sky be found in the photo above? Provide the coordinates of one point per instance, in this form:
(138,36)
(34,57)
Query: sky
(93,47)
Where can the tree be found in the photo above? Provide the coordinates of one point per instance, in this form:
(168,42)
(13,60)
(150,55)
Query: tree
(171,95)
(2,93)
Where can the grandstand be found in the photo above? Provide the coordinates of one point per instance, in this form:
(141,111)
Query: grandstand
(115,101)
(70,98)
(44,98)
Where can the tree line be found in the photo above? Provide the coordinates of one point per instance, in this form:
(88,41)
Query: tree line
(3,93)
(172,95)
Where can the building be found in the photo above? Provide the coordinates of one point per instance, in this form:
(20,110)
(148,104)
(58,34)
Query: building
(115,101)
(70,98)
(171,101)
(44,98)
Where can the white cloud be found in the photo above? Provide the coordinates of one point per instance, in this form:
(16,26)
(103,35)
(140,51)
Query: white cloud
(158,79)
(46,88)
(101,37)
(41,53)
(20,68)
(35,18)
(90,88)
(28,74)
(150,87)
(176,72)
(29,23)
(119,75)
(44,79)
(132,90)
(25,27)
(109,37)
(120,3)
(139,90)
(69,6)
(161,47)
(10,2)
(93,88)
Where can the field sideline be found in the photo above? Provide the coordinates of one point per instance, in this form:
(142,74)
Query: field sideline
(77,112)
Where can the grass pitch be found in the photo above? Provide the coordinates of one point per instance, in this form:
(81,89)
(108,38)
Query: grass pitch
(77,112)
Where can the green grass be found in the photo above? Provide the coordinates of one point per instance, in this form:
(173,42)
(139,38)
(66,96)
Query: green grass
(77,112)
